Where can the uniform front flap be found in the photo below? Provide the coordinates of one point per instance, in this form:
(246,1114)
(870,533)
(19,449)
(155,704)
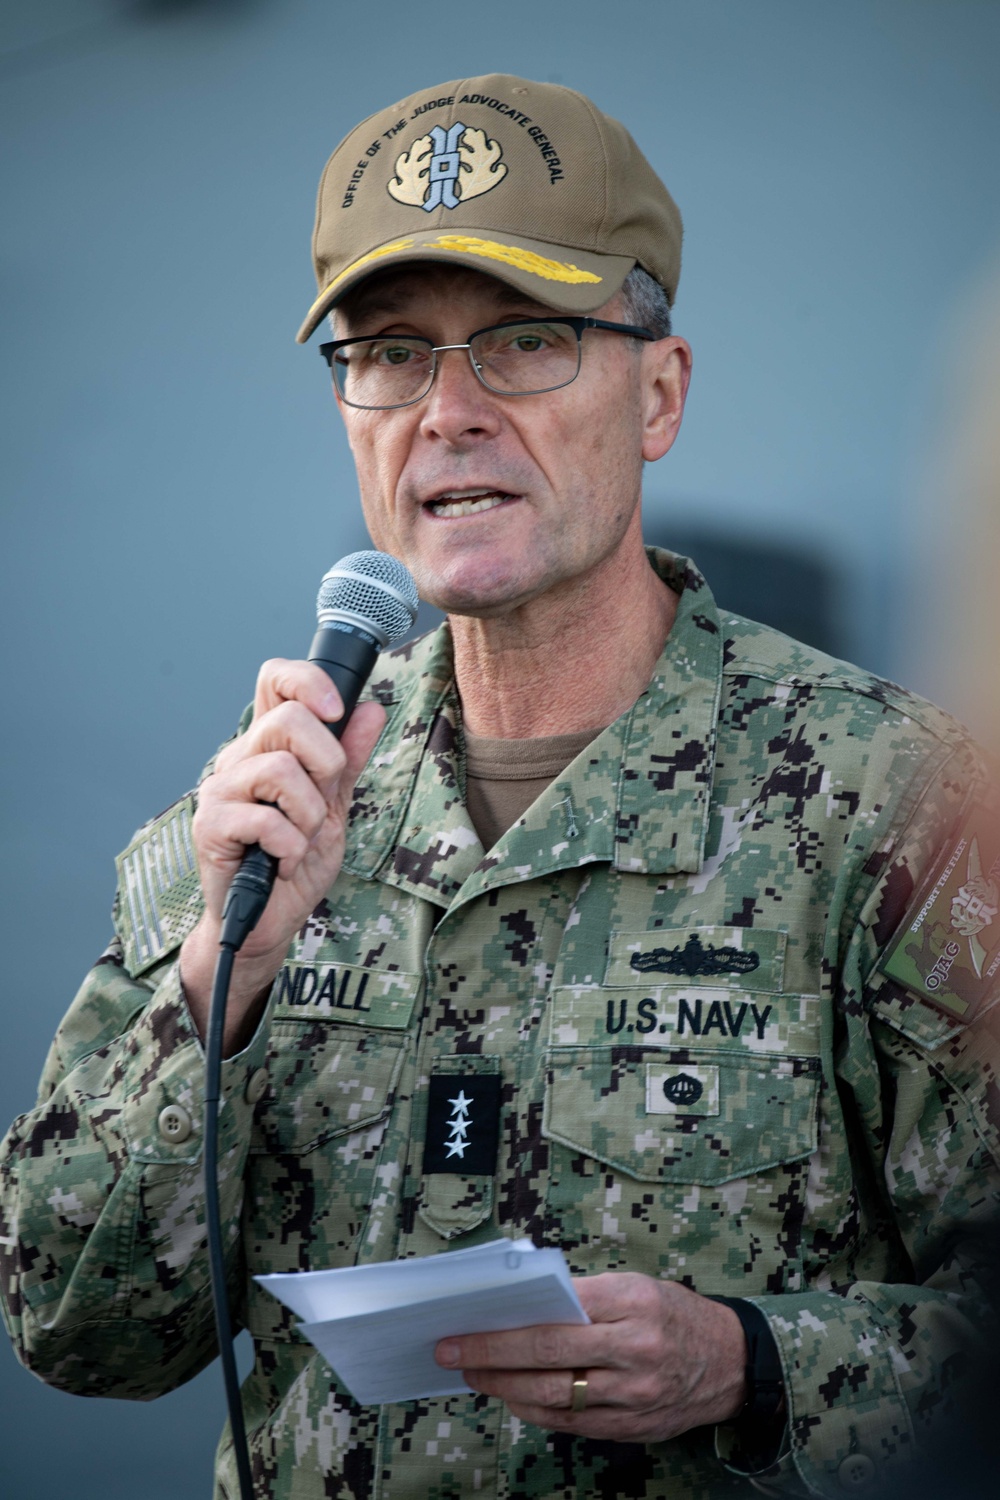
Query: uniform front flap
(638,796)
(408,824)
(572,823)
(664,791)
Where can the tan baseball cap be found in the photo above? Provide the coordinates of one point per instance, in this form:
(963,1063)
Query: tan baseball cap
(528,182)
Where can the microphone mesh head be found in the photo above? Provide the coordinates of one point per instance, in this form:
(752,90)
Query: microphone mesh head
(373,588)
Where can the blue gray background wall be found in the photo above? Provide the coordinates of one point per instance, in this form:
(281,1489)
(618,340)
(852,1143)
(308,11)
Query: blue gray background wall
(174,477)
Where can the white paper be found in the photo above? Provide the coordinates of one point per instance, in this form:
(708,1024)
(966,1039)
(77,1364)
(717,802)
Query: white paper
(377,1325)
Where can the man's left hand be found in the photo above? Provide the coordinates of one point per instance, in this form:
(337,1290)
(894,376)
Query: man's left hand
(658,1359)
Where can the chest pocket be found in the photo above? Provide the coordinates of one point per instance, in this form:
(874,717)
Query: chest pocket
(338,1040)
(681,1085)
(326,1081)
(337,1051)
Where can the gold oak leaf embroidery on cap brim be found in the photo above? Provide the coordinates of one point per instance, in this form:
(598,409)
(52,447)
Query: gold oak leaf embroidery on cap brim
(390,249)
(514,255)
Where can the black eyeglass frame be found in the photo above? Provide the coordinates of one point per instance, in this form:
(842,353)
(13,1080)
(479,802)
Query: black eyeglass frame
(578,325)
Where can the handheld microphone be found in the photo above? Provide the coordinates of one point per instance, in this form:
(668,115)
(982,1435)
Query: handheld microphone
(366,602)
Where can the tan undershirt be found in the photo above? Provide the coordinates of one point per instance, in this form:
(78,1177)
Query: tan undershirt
(503,777)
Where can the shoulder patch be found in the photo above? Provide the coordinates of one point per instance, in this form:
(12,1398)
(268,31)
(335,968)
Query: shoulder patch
(947,950)
(159,893)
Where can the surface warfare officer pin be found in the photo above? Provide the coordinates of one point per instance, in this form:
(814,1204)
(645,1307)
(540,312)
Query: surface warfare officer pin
(463,1124)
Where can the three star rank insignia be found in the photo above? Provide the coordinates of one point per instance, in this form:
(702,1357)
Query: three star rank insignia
(463,1124)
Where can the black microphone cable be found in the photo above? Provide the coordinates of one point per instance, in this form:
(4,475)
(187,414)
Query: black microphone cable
(366,601)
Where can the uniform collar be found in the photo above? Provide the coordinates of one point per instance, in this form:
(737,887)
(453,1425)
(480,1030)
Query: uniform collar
(637,797)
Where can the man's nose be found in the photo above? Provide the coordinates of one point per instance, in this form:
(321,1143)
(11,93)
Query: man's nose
(458,405)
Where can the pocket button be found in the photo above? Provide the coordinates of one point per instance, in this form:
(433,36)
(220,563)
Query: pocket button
(174,1124)
(856,1472)
(256,1086)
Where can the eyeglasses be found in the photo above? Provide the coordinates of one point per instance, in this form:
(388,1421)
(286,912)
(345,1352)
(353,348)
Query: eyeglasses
(522,358)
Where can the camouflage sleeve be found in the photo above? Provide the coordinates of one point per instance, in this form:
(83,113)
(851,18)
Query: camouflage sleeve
(103,1267)
(877,1371)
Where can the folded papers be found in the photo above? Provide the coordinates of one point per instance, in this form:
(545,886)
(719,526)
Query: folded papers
(377,1325)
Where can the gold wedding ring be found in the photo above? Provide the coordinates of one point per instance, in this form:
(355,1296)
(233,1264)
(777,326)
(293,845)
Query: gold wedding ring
(578,1400)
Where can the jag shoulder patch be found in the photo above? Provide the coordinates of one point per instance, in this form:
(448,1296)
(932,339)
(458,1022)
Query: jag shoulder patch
(159,897)
(948,947)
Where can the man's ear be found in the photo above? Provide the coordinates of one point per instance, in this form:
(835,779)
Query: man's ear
(666,374)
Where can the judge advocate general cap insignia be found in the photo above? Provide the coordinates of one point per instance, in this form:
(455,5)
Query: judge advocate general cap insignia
(528,182)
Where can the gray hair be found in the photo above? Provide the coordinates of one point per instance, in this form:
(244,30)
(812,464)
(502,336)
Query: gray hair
(644,303)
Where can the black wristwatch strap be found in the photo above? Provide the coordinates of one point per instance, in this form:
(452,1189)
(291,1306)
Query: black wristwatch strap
(765,1381)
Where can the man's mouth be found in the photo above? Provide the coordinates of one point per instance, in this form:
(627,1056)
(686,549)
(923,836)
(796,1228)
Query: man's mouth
(454,503)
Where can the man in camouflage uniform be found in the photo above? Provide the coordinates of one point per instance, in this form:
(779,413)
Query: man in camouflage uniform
(711,997)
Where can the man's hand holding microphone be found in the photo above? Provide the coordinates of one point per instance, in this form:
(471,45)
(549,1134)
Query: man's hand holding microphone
(287,783)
